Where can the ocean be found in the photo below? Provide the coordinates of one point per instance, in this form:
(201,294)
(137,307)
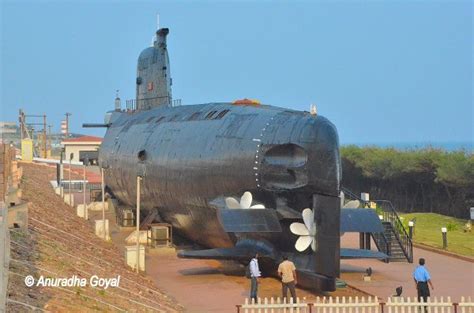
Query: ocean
(448,146)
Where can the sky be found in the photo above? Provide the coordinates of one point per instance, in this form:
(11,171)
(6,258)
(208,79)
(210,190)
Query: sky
(381,71)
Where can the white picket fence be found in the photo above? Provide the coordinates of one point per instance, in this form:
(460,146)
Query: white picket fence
(345,305)
(407,305)
(273,305)
(466,305)
(359,305)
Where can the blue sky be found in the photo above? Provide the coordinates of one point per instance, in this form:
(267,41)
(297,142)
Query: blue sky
(381,71)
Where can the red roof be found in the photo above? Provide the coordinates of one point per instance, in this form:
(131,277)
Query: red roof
(83,139)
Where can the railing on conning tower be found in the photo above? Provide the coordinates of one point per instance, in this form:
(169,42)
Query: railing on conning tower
(176,103)
(148,103)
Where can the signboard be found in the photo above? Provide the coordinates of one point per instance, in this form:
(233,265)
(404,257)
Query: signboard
(27,150)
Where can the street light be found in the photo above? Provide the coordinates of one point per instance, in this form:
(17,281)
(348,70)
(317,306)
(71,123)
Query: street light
(141,172)
(102,169)
(61,172)
(71,156)
(410,229)
(86,213)
(444,232)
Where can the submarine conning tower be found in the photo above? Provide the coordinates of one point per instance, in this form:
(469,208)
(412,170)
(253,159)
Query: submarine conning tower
(153,74)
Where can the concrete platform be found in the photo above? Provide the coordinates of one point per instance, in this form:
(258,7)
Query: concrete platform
(451,276)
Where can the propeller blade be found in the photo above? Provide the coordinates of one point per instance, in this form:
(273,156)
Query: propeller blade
(258,206)
(299,229)
(246,200)
(232,203)
(308,218)
(353,204)
(303,243)
(313,245)
(312,230)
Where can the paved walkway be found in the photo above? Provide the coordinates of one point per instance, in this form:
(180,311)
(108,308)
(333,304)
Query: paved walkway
(212,286)
(451,276)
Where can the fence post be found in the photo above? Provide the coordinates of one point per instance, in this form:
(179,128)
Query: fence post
(382,306)
(238,306)
(310,307)
(455,307)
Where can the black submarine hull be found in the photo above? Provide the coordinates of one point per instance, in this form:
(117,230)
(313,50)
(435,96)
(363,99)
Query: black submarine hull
(197,153)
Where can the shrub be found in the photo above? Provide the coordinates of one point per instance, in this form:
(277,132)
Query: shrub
(451,226)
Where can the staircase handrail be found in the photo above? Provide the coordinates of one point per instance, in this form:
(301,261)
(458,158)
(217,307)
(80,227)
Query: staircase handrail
(392,216)
(350,193)
(380,239)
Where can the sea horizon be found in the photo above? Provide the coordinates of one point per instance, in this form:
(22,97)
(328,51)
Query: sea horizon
(467,146)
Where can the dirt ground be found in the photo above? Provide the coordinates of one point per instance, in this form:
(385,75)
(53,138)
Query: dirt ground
(59,244)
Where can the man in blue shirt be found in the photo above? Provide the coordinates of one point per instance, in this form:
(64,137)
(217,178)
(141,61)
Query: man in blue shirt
(254,275)
(422,279)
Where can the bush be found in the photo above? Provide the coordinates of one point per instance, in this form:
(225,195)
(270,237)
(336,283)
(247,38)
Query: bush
(451,226)
(426,180)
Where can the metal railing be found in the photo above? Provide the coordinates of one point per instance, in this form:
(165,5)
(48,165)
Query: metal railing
(383,245)
(389,215)
(148,103)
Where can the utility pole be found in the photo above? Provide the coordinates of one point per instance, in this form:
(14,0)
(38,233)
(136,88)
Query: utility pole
(49,137)
(67,124)
(20,119)
(45,147)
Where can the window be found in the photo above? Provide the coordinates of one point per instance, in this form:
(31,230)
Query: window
(160,119)
(142,155)
(210,115)
(221,114)
(174,118)
(194,116)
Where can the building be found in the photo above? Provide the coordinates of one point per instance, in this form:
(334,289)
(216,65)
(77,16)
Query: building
(9,132)
(81,148)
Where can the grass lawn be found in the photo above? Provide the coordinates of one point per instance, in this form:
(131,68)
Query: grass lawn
(428,231)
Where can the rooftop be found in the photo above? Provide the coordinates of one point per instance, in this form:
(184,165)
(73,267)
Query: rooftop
(83,139)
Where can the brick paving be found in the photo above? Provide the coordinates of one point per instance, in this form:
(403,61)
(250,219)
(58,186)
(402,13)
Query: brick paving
(451,276)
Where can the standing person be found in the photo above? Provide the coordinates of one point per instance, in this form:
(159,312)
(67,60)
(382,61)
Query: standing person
(254,275)
(422,279)
(287,272)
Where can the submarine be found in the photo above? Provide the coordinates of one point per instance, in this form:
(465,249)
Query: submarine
(237,178)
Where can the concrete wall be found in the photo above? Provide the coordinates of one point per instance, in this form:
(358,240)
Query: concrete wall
(77,148)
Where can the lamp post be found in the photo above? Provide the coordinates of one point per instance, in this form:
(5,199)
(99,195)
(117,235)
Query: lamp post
(141,172)
(61,172)
(139,179)
(103,201)
(71,156)
(86,213)
(444,232)
(410,229)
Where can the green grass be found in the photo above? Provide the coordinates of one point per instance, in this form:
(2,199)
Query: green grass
(428,232)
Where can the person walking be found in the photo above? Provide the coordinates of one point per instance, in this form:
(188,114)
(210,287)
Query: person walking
(422,279)
(254,276)
(287,272)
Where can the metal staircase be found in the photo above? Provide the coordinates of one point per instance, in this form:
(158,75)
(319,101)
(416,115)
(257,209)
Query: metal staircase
(394,241)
